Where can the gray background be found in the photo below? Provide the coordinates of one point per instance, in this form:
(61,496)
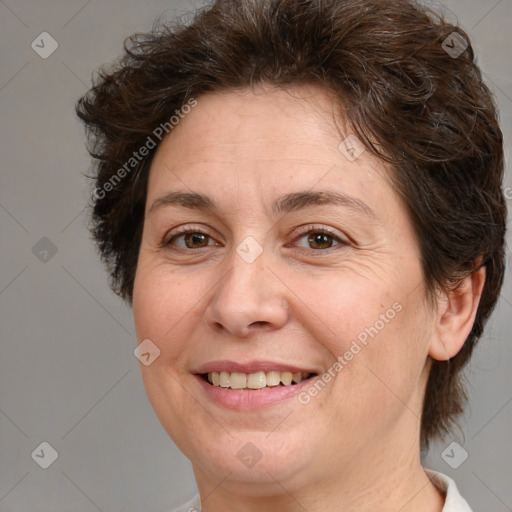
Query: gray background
(67,371)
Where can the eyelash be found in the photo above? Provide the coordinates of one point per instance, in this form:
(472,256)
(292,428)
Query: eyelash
(182,231)
(304,231)
(315,229)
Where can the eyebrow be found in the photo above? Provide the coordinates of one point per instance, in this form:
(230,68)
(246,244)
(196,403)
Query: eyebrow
(185,199)
(300,200)
(285,203)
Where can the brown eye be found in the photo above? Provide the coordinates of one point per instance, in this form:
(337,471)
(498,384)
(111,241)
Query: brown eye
(195,240)
(190,240)
(320,240)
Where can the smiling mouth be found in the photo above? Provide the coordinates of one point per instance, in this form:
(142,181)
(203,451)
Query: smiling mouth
(254,381)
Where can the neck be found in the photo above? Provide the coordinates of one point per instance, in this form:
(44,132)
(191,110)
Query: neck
(381,481)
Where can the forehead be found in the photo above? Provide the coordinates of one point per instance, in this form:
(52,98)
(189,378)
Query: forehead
(267,136)
(273,123)
(253,156)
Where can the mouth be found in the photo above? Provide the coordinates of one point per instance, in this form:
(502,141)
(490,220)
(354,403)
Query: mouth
(252,386)
(259,380)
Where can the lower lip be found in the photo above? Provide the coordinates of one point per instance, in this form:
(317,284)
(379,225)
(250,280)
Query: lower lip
(251,399)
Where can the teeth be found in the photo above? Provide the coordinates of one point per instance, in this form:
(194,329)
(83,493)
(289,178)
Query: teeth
(224,380)
(273,378)
(286,378)
(257,380)
(238,380)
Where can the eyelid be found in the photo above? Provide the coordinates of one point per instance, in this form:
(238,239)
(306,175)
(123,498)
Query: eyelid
(183,230)
(342,240)
(319,228)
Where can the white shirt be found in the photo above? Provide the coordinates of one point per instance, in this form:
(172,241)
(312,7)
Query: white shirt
(454,502)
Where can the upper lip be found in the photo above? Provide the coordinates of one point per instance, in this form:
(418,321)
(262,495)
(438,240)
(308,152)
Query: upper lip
(250,367)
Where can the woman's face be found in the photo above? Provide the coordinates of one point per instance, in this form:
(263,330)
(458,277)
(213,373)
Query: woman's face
(268,250)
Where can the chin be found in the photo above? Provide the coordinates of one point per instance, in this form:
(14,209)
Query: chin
(254,458)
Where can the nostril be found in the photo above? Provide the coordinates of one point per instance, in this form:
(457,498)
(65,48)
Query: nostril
(258,324)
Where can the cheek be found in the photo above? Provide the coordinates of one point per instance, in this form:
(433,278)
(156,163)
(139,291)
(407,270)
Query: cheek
(164,312)
(378,332)
(168,308)
(383,363)
(164,308)
(347,312)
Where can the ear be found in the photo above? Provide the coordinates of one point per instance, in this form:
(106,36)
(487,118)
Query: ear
(455,316)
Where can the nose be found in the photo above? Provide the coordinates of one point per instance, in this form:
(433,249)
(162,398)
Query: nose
(248,299)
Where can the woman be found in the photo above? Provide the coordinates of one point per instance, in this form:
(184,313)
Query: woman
(302,202)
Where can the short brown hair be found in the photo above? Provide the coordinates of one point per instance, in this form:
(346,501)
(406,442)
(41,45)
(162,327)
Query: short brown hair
(423,110)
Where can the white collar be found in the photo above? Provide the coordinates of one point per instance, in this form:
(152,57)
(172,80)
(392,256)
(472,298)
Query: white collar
(454,502)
